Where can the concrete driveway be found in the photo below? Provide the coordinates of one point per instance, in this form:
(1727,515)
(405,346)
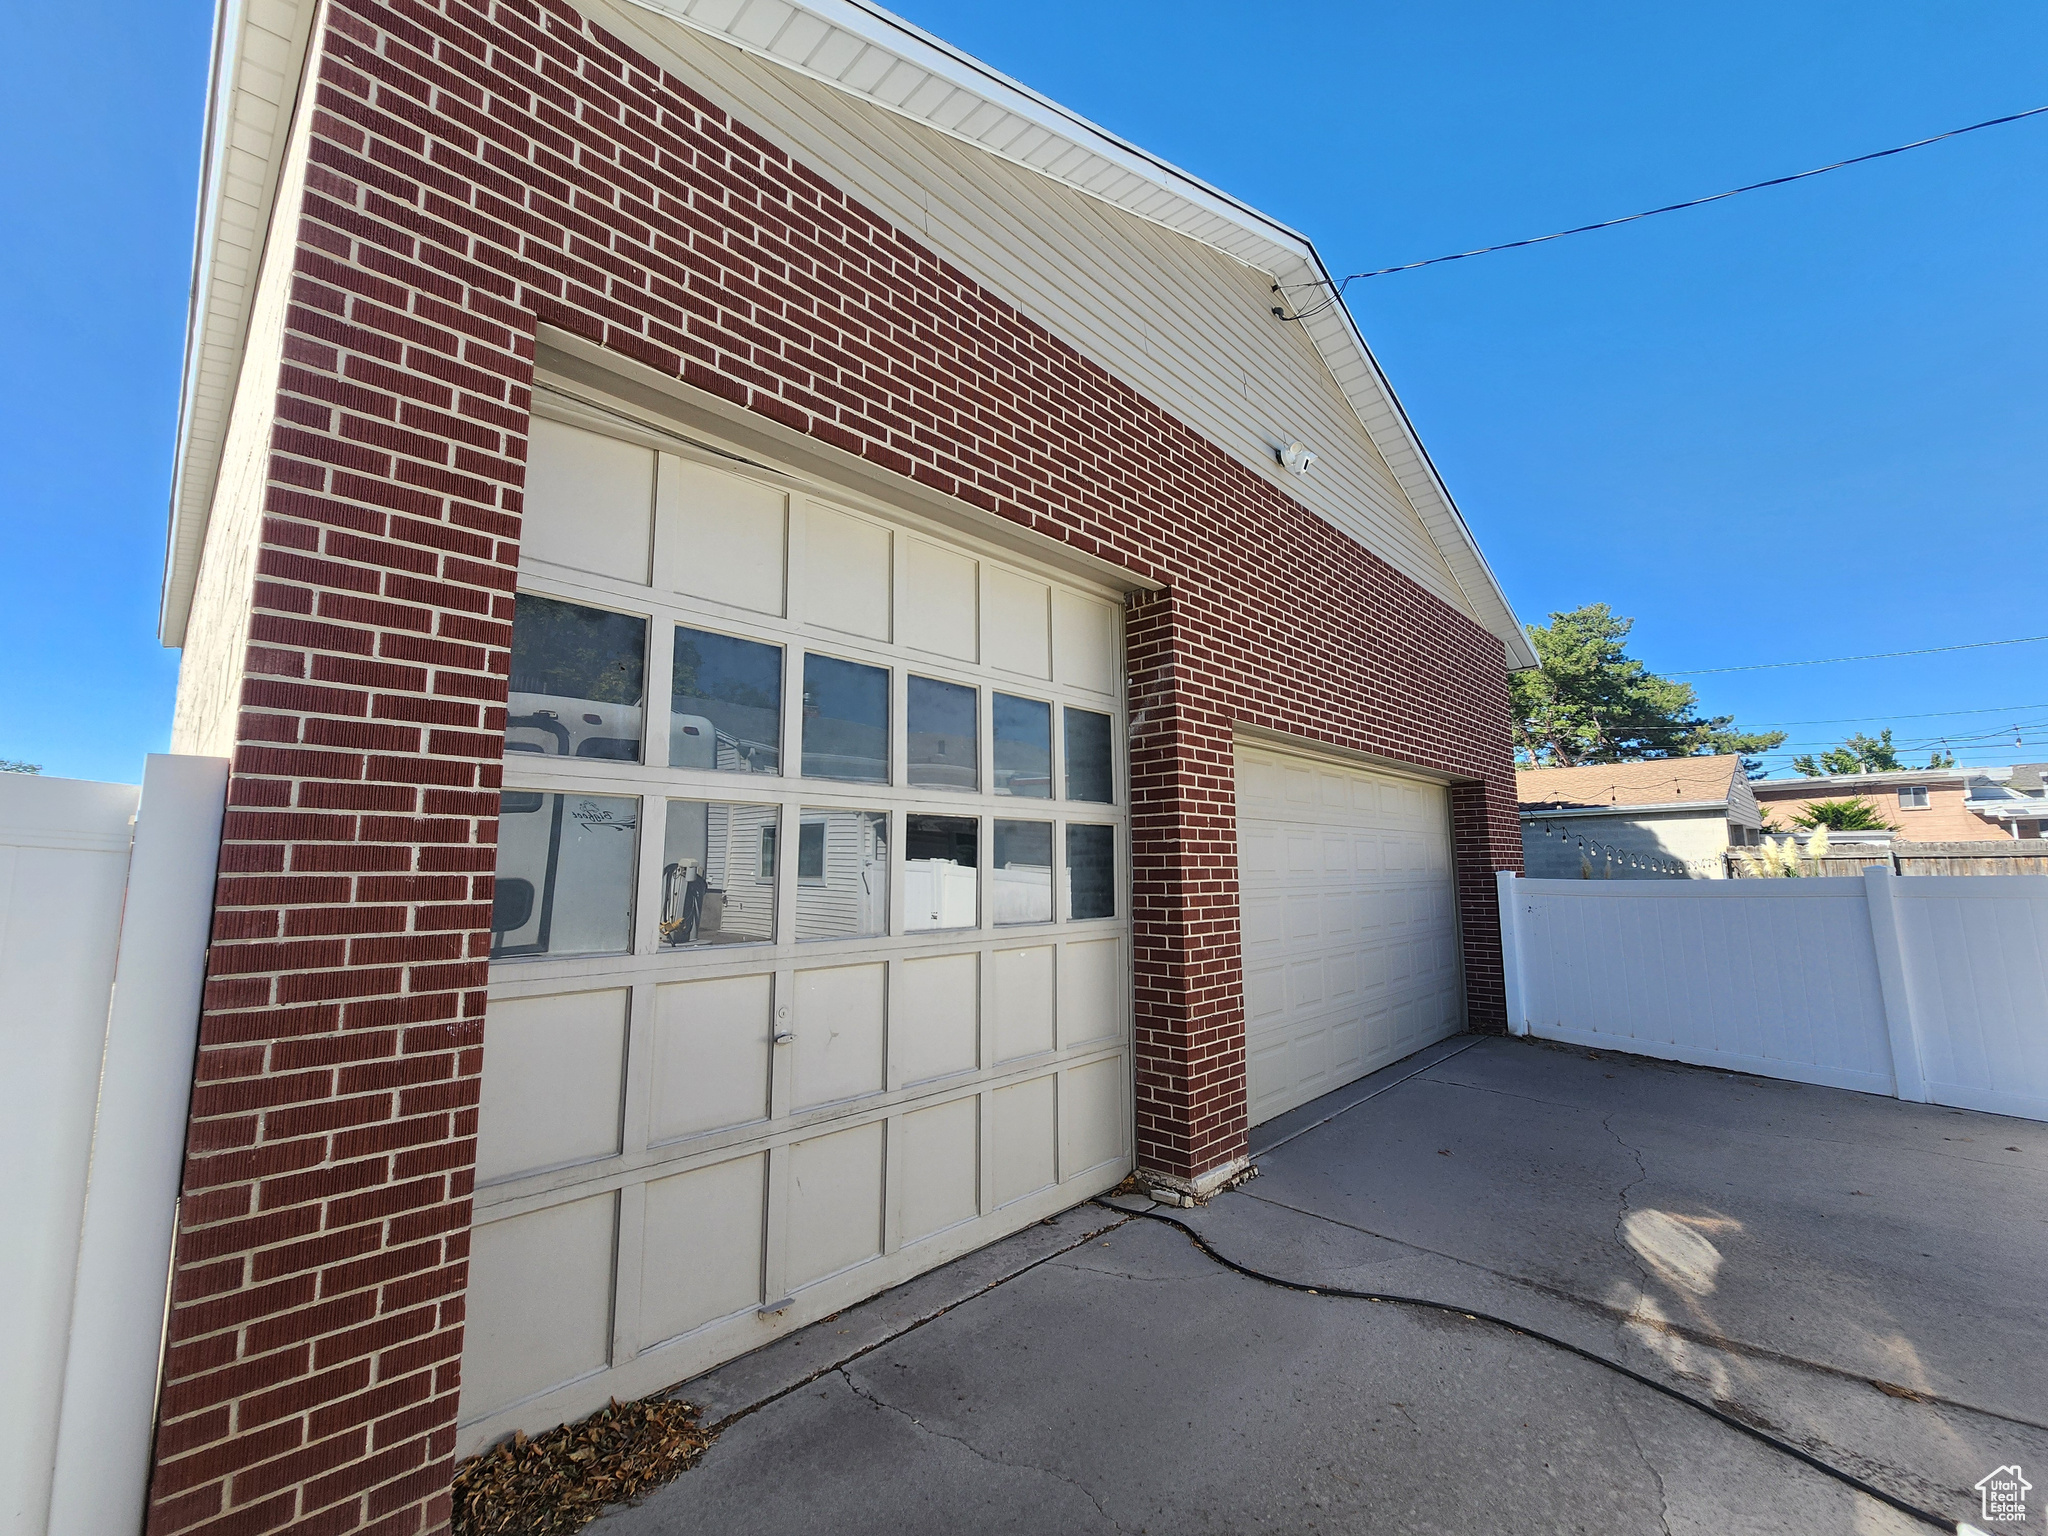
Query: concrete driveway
(1862,1277)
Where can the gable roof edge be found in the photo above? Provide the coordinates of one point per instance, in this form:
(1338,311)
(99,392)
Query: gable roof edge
(871,54)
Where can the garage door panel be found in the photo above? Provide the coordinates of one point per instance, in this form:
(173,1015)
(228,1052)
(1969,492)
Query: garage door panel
(552,1083)
(841,1025)
(702,1246)
(1092,1104)
(941,1165)
(938,1023)
(539,1304)
(1025,1139)
(1355,966)
(1091,992)
(712,1052)
(1265,993)
(835,1202)
(1261,916)
(1023,1002)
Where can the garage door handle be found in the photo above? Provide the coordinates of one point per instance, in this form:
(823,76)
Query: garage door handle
(784,1038)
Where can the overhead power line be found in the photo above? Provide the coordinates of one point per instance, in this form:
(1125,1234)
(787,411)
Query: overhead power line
(1650,213)
(1935,714)
(1828,661)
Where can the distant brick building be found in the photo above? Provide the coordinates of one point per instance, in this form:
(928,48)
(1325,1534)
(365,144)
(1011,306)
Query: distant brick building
(1928,805)
(796,704)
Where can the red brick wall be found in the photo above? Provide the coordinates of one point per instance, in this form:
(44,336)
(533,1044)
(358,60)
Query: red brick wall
(477,170)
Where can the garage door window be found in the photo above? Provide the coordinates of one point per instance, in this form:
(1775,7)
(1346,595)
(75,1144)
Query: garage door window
(1091,872)
(565,874)
(1023,872)
(707,893)
(725,712)
(846,720)
(943,735)
(1089,773)
(843,874)
(578,677)
(1023,747)
(941,886)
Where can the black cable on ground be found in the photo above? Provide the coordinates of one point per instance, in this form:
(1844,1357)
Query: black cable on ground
(1848,1479)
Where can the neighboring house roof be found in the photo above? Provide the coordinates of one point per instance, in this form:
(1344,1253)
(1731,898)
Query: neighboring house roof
(2027,778)
(1665,783)
(1837,785)
(259,55)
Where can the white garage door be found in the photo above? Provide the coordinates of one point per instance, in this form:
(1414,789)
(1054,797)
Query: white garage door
(811,956)
(1347,920)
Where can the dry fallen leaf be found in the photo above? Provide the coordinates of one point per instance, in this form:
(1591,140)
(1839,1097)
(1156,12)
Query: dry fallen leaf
(560,1481)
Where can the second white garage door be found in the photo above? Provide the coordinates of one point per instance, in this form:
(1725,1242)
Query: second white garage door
(1348,926)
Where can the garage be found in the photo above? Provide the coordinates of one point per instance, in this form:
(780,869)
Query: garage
(811,940)
(1347,920)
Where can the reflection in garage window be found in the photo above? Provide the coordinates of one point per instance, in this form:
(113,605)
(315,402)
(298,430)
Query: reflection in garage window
(944,746)
(708,894)
(1023,872)
(1091,872)
(1089,776)
(1023,747)
(940,887)
(842,875)
(726,709)
(846,720)
(578,675)
(565,875)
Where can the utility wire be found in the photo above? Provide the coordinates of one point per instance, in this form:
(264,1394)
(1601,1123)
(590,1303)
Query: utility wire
(1933,714)
(1828,661)
(1649,213)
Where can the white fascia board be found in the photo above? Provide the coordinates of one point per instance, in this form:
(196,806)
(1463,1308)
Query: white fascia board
(1664,807)
(869,53)
(259,56)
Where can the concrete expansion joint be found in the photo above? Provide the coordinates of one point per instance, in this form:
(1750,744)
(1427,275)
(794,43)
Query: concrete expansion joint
(874,1399)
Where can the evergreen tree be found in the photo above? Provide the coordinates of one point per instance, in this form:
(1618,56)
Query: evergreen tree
(1591,702)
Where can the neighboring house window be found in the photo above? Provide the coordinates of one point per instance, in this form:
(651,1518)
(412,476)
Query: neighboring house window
(768,853)
(810,852)
(1913,798)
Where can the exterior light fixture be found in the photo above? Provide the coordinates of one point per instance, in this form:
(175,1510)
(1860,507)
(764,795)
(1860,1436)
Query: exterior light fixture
(1298,457)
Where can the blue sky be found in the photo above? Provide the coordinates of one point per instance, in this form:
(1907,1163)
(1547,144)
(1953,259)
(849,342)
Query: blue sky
(1808,422)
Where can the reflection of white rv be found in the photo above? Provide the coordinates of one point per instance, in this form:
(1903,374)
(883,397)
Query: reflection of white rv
(565,874)
(564,727)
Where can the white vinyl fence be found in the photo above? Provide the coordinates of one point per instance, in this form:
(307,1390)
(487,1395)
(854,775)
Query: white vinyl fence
(106,895)
(1932,988)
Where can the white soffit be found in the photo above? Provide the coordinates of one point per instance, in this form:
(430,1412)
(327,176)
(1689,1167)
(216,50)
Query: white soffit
(855,47)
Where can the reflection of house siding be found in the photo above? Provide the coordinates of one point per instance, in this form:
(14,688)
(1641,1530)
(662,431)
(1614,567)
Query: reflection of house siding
(831,908)
(734,866)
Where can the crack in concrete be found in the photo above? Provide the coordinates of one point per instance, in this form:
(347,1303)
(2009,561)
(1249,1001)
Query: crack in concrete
(894,1334)
(1663,1495)
(1621,1204)
(1210,1273)
(867,1395)
(1620,1315)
